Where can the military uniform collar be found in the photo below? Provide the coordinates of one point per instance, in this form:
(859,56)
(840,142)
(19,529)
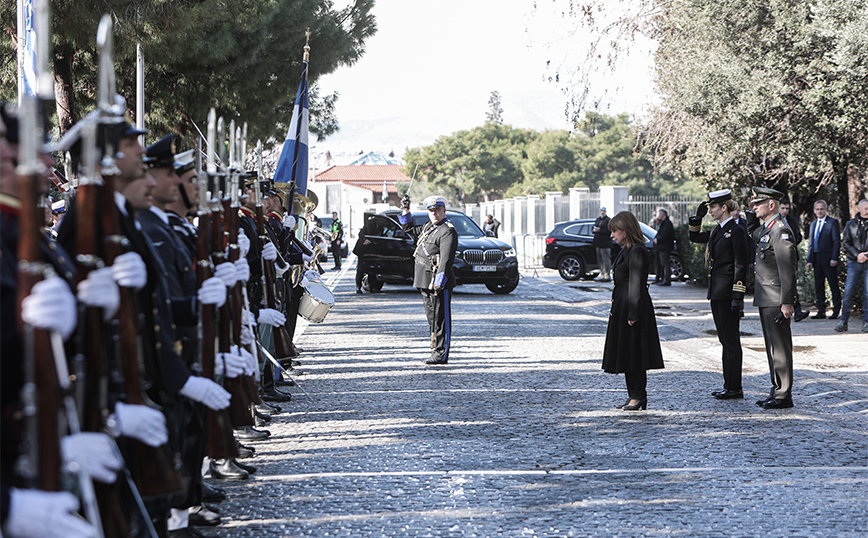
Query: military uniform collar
(722,224)
(160,213)
(247,211)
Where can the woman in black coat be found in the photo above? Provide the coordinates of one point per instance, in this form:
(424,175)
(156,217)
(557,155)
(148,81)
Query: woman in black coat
(632,343)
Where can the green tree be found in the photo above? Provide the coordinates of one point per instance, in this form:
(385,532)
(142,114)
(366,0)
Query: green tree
(242,57)
(495,111)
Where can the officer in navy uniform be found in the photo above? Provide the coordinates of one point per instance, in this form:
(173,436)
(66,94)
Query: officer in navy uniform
(726,257)
(774,290)
(436,243)
(187,203)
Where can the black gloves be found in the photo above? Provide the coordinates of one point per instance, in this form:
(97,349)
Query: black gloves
(405,202)
(752,220)
(702,210)
(738,307)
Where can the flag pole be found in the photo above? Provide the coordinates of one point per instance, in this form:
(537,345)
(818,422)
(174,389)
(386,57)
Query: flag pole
(140,92)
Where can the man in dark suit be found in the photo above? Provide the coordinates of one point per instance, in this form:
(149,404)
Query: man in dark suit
(727,263)
(824,244)
(774,291)
(664,243)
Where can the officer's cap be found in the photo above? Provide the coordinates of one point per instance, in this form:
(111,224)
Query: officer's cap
(161,154)
(184,162)
(718,197)
(761,194)
(435,201)
(58,207)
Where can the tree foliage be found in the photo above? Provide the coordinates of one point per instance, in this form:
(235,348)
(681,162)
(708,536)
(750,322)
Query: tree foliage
(244,58)
(495,110)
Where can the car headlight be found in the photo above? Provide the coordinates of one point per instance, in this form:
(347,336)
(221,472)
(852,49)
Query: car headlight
(509,253)
(458,253)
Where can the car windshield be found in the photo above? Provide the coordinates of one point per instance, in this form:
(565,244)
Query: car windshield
(464,225)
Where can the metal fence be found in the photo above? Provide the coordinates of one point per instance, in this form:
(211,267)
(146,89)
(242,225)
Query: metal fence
(680,208)
(529,249)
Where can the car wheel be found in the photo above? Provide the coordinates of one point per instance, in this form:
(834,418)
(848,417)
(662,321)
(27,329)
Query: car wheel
(571,267)
(501,288)
(676,268)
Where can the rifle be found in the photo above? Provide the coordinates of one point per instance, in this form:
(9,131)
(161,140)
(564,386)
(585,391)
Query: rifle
(220,441)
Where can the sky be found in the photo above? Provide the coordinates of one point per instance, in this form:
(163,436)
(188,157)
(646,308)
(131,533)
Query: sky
(431,67)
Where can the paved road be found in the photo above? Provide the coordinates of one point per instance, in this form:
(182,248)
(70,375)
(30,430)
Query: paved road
(517,435)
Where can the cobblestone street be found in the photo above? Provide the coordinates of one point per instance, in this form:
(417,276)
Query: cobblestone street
(518,436)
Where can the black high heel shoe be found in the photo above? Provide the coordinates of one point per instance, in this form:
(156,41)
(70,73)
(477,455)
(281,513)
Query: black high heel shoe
(643,404)
(623,404)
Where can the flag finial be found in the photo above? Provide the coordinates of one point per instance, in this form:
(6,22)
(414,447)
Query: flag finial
(307,44)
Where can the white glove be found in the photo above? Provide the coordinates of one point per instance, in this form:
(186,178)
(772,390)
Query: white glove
(280,270)
(100,290)
(227,273)
(249,362)
(242,269)
(212,291)
(142,423)
(304,281)
(230,364)
(246,335)
(289,222)
(51,306)
(269,316)
(94,453)
(206,392)
(269,252)
(35,513)
(306,257)
(243,243)
(130,271)
(247,317)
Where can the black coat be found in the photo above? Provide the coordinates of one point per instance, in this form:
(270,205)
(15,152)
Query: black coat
(602,238)
(665,236)
(727,257)
(632,348)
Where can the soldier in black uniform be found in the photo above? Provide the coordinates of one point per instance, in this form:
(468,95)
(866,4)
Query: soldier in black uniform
(726,256)
(774,290)
(436,242)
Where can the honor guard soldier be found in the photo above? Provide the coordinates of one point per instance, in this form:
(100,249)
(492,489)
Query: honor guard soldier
(436,242)
(775,290)
(726,256)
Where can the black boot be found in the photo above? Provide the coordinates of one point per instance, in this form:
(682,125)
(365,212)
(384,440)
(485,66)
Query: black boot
(225,469)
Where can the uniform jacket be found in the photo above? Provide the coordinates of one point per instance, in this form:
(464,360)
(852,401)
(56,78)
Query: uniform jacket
(665,236)
(185,230)
(432,241)
(337,230)
(173,252)
(827,245)
(855,237)
(727,257)
(776,258)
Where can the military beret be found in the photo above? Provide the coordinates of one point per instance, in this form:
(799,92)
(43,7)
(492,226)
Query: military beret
(161,154)
(761,194)
(718,197)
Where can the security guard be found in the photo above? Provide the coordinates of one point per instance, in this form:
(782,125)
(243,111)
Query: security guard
(775,290)
(726,256)
(436,242)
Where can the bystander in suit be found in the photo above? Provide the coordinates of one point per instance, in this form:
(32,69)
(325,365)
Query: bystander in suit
(824,244)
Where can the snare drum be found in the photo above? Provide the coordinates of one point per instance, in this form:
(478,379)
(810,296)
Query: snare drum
(315,303)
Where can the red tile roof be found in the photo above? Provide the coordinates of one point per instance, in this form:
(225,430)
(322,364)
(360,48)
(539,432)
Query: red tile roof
(365,176)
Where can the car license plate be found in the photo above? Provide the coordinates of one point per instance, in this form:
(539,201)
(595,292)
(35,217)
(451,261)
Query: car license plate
(484,268)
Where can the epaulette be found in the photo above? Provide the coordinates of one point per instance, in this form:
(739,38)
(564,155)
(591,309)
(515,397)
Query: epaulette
(246,211)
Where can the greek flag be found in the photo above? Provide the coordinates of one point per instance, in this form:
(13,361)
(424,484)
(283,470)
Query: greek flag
(28,58)
(292,164)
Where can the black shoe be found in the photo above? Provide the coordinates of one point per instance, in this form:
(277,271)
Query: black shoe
(212,494)
(763,402)
(728,395)
(435,360)
(188,532)
(226,469)
(201,516)
(269,408)
(778,404)
(834,315)
(244,448)
(642,404)
(336,268)
(284,382)
(819,315)
(273,395)
(249,468)
(248,433)
(359,291)
(244,452)
(623,404)
(801,315)
(264,417)
(259,423)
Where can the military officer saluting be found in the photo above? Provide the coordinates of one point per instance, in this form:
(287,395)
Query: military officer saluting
(727,261)
(775,290)
(436,242)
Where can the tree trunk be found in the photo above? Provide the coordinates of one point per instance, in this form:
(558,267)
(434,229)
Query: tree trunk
(63,91)
(856,188)
(841,169)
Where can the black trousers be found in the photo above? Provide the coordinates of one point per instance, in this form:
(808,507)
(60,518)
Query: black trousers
(663,272)
(292,310)
(438,309)
(727,324)
(336,252)
(823,273)
(779,349)
(636,383)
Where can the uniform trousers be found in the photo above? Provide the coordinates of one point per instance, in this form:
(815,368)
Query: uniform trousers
(727,324)
(438,309)
(779,349)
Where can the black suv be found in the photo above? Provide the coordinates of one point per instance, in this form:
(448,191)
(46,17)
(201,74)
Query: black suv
(388,255)
(570,250)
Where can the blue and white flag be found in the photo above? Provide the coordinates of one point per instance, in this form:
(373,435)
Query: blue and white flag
(385,191)
(28,58)
(292,164)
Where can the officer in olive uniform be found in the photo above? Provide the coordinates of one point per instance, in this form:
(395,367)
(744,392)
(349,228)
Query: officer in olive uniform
(727,262)
(775,290)
(436,242)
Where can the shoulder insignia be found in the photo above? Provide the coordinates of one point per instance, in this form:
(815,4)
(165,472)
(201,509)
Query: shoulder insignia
(785,236)
(450,225)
